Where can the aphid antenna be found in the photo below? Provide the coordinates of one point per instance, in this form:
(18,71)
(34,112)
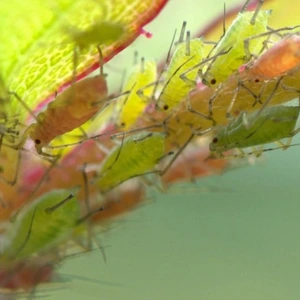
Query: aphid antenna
(50,210)
(177,154)
(268,33)
(244,8)
(159,80)
(95,137)
(114,136)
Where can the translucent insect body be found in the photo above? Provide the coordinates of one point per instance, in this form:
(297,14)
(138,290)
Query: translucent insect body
(186,55)
(70,109)
(277,61)
(273,124)
(43,224)
(246,24)
(136,156)
(132,105)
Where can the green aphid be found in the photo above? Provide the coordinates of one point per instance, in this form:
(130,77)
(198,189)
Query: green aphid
(137,155)
(97,34)
(237,45)
(249,129)
(42,225)
(186,55)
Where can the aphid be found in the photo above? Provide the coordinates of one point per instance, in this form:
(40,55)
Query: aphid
(72,108)
(132,106)
(271,125)
(187,54)
(276,61)
(97,34)
(41,225)
(136,155)
(246,24)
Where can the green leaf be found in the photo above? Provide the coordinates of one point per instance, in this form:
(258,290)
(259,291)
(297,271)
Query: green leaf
(38,41)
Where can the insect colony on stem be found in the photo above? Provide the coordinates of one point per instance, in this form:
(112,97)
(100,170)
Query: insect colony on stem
(253,59)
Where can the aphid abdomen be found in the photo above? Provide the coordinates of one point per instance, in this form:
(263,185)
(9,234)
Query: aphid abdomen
(137,155)
(36,229)
(278,60)
(233,42)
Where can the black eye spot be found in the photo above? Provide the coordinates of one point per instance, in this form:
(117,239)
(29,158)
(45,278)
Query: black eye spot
(166,107)
(256,80)
(37,141)
(215,140)
(123,124)
(213,81)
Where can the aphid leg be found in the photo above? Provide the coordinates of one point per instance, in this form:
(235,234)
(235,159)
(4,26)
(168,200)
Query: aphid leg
(24,243)
(176,155)
(43,178)
(13,181)
(269,98)
(193,111)
(87,205)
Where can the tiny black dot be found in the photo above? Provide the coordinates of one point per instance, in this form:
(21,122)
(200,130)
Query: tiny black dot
(37,141)
(213,81)
(256,80)
(122,124)
(215,140)
(166,107)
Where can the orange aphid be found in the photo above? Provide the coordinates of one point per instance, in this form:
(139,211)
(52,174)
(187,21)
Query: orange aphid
(71,109)
(278,60)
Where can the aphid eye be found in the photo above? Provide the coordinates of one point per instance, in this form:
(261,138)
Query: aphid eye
(37,141)
(213,81)
(166,107)
(256,80)
(215,140)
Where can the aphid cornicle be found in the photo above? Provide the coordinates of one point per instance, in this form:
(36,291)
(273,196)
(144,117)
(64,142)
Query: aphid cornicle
(246,24)
(42,225)
(70,109)
(271,125)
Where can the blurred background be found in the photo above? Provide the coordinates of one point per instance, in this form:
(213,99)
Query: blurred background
(233,236)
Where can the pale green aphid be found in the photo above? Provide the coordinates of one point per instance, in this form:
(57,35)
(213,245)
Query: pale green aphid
(247,24)
(271,125)
(137,155)
(43,224)
(98,33)
(186,55)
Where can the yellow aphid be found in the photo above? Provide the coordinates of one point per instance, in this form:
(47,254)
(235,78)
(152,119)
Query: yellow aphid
(186,55)
(132,106)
